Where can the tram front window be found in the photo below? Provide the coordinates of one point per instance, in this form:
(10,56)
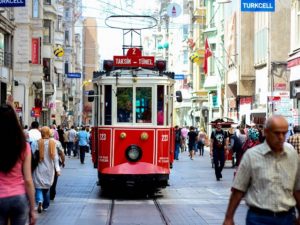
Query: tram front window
(143,104)
(124,110)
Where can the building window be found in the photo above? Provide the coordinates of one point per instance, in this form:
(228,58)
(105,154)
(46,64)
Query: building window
(212,60)
(46,69)
(35,9)
(66,67)
(47,31)
(67,38)
(1,49)
(67,13)
(185,57)
(59,23)
(47,2)
(185,31)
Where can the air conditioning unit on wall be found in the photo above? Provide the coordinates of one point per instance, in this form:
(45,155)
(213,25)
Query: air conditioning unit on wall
(295,89)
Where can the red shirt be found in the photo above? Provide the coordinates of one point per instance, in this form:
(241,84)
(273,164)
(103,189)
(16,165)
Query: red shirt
(12,183)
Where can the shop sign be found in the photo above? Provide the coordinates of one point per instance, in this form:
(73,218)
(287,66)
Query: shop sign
(12,3)
(258,5)
(280,86)
(35,112)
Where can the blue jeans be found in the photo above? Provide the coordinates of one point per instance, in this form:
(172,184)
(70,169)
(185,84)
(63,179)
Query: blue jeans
(258,219)
(70,148)
(176,153)
(82,152)
(16,208)
(219,161)
(43,196)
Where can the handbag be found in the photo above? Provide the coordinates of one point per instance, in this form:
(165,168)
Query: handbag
(35,158)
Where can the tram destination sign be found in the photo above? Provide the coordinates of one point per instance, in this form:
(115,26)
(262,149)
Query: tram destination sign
(258,5)
(134,58)
(12,3)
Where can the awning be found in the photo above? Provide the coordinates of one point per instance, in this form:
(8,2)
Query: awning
(258,111)
(211,82)
(294,60)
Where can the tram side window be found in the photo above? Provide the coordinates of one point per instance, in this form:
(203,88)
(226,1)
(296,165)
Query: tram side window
(160,105)
(143,103)
(124,104)
(107,107)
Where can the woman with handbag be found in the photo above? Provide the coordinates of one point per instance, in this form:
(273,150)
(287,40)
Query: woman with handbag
(16,186)
(43,175)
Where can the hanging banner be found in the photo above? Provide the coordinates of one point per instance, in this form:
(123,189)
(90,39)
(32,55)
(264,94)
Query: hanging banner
(257,5)
(35,51)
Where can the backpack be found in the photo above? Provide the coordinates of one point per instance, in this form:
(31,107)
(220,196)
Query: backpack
(35,158)
(237,144)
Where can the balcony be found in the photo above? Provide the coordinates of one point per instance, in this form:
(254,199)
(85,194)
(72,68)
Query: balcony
(199,16)
(50,10)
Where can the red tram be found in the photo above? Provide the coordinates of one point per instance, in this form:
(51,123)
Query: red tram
(133,135)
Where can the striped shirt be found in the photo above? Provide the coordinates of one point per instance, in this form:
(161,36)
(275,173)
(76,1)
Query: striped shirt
(269,179)
(295,141)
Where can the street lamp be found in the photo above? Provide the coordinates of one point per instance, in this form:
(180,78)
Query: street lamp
(223,1)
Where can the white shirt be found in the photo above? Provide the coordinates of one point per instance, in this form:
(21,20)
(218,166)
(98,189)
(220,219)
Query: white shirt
(34,135)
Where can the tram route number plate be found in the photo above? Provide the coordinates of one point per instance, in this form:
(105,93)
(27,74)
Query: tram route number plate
(134,58)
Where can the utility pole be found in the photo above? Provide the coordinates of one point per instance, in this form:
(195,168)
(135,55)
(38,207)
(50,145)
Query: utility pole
(167,19)
(191,36)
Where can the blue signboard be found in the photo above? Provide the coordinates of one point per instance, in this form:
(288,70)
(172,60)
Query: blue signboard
(258,5)
(179,77)
(73,75)
(12,3)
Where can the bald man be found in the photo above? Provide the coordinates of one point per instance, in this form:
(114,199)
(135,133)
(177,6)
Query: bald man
(269,180)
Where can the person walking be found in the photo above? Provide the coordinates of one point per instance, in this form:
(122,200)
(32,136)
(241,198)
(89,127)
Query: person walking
(235,145)
(218,142)
(43,175)
(66,141)
(177,142)
(16,185)
(184,132)
(268,180)
(72,139)
(61,155)
(34,133)
(295,139)
(202,139)
(83,138)
(192,140)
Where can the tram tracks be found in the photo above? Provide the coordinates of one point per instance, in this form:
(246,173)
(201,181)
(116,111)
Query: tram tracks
(112,211)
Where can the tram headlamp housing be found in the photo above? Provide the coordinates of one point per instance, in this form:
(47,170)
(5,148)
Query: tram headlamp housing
(133,153)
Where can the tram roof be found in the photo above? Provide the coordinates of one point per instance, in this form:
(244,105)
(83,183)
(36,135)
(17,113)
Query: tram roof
(130,74)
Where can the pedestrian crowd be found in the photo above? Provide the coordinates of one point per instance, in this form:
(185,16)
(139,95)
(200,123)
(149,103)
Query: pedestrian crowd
(29,171)
(266,162)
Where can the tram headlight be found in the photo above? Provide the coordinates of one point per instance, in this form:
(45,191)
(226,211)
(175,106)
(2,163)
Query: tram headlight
(133,153)
(144,136)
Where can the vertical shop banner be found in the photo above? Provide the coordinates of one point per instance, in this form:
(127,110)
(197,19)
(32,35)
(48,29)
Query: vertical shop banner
(258,5)
(35,51)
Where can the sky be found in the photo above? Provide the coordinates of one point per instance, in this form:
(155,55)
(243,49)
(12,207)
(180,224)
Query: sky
(110,40)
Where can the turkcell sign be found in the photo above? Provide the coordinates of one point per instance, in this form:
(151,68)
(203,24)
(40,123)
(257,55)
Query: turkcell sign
(12,3)
(258,5)
(73,75)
